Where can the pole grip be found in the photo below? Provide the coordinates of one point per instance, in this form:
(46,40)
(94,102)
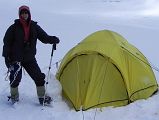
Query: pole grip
(54,46)
(52,50)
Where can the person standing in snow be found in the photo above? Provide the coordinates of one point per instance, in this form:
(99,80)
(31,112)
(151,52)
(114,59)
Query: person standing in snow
(19,51)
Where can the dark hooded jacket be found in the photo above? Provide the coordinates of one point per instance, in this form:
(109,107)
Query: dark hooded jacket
(16,48)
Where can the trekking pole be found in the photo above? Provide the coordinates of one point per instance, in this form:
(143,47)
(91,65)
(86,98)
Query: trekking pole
(53,48)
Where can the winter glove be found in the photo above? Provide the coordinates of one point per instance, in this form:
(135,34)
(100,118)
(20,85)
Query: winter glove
(10,62)
(54,40)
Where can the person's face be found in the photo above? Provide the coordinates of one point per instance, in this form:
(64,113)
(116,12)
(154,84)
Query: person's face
(24,15)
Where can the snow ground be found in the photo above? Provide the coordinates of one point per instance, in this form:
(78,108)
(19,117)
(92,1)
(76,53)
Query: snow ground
(72,21)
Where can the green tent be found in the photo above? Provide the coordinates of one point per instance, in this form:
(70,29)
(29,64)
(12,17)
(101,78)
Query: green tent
(105,70)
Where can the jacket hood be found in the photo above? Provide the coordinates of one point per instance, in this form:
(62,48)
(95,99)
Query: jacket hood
(24,7)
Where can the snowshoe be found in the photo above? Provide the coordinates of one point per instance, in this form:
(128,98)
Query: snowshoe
(13,99)
(45,100)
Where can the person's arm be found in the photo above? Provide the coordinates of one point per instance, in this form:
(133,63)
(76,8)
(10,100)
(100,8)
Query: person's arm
(44,37)
(8,40)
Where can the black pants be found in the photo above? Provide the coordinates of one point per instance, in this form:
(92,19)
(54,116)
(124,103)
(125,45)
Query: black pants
(32,69)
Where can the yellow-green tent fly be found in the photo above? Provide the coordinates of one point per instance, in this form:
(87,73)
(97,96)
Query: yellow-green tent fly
(105,70)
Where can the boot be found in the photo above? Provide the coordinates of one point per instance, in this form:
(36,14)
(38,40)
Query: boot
(43,98)
(14,97)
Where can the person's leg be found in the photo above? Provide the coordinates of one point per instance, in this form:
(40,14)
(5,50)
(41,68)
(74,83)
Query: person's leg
(15,78)
(35,73)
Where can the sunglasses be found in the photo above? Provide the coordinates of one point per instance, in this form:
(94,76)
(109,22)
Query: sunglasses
(24,12)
